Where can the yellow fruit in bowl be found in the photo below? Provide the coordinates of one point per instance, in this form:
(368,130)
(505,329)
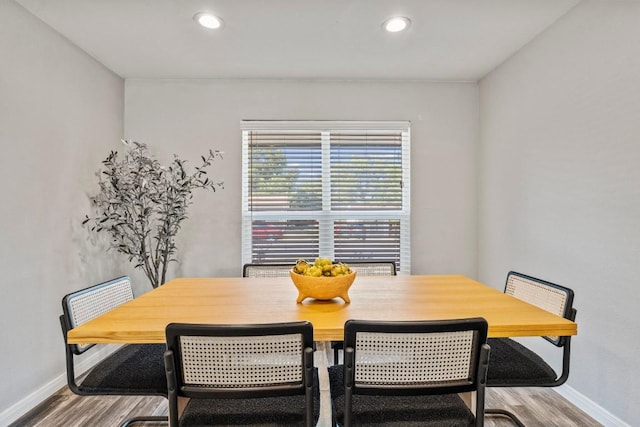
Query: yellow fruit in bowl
(314,271)
(322,262)
(339,270)
(321,267)
(301,266)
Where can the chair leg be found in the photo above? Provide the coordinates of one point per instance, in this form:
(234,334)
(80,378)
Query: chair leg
(505,413)
(135,420)
(336,353)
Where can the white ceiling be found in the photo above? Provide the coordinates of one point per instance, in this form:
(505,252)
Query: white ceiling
(303,39)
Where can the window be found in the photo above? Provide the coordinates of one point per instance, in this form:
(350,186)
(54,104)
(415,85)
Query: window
(331,189)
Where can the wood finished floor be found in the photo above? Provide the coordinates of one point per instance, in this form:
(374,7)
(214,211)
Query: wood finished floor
(536,407)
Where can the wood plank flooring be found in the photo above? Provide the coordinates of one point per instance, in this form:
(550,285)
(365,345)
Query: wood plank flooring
(536,407)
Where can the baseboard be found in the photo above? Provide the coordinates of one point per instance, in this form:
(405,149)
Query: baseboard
(591,408)
(20,408)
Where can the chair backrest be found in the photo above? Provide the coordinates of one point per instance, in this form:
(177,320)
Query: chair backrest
(413,358)
(548,296)
(362,268)
(266,270)
(86,304)
(239,361)
(373,268)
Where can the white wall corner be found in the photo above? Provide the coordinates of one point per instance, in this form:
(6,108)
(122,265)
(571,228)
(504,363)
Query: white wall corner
(591,408)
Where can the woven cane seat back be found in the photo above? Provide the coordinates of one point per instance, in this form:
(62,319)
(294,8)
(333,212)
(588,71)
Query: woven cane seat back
(246,361)
(422,359)
(87,304)
(266,270)
(373,268)
(548,296)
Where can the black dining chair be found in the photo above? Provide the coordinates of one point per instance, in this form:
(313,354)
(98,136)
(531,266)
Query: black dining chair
(515,365)
(363,269)
(259,374)
(410,373)
(131,370)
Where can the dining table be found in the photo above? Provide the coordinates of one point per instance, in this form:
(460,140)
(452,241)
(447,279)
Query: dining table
(236,300)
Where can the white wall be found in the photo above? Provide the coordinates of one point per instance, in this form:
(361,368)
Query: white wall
(60,114)
(188,117)
(559,187)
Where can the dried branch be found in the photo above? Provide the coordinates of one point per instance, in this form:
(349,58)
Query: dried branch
(141,205)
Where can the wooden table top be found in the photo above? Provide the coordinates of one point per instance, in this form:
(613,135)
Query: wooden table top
(267,300)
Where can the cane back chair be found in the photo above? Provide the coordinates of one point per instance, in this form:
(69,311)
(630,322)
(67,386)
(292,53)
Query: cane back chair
(515,365)
(410,373)
(259,374)
(133,369)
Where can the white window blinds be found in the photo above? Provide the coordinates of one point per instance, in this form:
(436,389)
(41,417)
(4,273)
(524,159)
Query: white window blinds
(331,189)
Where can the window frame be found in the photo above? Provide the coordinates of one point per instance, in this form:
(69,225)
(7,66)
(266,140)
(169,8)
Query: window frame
(327,216)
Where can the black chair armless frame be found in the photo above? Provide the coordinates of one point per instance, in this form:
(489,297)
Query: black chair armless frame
(410,373)
(242,374)
(513,364)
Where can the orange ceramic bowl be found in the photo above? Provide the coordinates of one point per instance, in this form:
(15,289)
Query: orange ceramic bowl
(323,288)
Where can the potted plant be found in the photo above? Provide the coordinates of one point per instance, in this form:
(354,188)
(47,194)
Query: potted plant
(142,203)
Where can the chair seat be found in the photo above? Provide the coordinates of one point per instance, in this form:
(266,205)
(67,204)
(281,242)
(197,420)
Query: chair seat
(264,411)
(512,363)
(129,371)
(401,411)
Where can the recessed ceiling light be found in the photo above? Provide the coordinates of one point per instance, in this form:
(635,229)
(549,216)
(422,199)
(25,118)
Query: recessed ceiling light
(396,24)
(208,20)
